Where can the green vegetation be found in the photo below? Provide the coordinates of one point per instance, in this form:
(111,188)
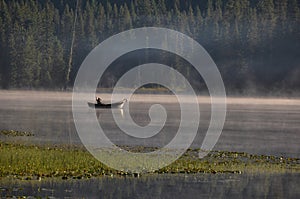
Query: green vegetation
(32,162)
(254,43)
(15,133)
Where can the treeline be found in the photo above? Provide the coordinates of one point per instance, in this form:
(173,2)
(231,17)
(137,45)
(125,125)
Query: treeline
(255,43)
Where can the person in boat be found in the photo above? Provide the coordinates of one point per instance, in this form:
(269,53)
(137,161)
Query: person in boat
(98,99)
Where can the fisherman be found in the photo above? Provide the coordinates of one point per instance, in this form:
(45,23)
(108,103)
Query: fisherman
(98,99)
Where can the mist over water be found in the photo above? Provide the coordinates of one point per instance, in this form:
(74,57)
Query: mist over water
(255,45)
(266,126)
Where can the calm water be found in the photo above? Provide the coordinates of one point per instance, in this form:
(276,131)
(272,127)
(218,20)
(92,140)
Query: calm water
(258,126)
(162,186)
(264,126)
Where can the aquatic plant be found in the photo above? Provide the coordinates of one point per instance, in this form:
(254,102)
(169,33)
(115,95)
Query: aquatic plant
(15,133)
(35,162)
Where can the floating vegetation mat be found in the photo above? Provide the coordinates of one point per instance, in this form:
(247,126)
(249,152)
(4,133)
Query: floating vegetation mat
(15,133)
(35,162)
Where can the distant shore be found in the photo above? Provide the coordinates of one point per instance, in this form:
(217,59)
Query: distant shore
(31,95)
(163,91)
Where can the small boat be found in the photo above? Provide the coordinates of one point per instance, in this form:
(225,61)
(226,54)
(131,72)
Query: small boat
(103,105)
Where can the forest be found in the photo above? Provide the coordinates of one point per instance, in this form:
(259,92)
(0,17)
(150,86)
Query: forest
(255,43)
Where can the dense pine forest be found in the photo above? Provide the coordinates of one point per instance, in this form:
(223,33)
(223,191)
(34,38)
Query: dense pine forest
(255,43)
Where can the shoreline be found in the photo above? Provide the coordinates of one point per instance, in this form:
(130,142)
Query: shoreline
(33,95)
(162,91)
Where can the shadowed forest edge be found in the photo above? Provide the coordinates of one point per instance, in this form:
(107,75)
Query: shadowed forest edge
(255,43)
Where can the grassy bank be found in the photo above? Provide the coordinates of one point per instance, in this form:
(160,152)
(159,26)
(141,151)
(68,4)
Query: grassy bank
(33,162)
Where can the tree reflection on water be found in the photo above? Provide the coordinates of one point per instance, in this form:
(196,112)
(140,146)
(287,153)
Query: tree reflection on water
(160,186)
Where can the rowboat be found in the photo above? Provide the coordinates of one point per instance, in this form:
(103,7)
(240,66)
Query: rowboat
(104,105)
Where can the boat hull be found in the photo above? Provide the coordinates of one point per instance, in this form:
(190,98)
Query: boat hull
(103,106)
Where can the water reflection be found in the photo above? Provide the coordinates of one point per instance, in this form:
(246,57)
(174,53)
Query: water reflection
(118,112)
(161,186)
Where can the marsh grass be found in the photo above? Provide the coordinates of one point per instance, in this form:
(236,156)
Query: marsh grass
(34,162)
(15,133)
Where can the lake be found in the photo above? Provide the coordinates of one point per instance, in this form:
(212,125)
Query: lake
(253,125)
(160,186)
(266,126)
